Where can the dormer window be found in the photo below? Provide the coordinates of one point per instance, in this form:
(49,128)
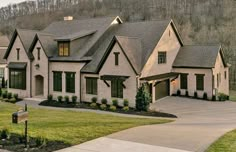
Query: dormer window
(18,53)
(64,48)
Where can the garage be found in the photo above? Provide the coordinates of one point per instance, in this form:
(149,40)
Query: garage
(162,89)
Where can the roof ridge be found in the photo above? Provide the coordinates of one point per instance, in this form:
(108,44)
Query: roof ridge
(146,21)
(210,44)
(130,37)
(27,30)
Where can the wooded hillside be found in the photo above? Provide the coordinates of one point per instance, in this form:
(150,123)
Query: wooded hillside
(199,21)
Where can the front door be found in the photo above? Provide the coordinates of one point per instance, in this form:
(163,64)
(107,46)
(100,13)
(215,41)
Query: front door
(39,85)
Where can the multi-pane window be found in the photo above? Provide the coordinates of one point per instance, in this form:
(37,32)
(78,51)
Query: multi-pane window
(1,72)
(57,81)
(91,85)
(200,82)
(38,53)
(183,81)
(70,82)
(161,57)
(17,79)
(116,58)
(63,48)
(117,88)
(225,75)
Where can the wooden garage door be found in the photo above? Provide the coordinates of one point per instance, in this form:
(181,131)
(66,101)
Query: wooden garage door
(162,89)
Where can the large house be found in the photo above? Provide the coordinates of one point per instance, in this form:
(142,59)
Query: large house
(107,58)
(4,41)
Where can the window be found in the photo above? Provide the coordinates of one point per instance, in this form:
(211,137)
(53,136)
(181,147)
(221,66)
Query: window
(70,82)
(63,48)
(116,58)
(200,81)
(91,85)
(1,72)
(161,57)
(38,53)
(18,53)
(184,81)
(17,79)
(57,81)
(117,88)
(225,75)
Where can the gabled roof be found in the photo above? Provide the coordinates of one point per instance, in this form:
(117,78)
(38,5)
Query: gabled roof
(75,36)
(4,41)
(26,37)
(147,33)
(198,56)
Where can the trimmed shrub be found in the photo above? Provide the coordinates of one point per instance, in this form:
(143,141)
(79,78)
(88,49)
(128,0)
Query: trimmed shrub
(195,95)
(0,91)
(9,95)
(205,96)
(213,98)
(186,93)
(103,106)
(104,101)
(142,99)
(126,102)
(74,99)
(12,100)
(16,96)
(59,99)
(126,109)
(222,97)
(67,99)
(94,99)
(112,108)
(50,97)
(178,92)
(93,105)
(115,102)
(3,83)
(4,134)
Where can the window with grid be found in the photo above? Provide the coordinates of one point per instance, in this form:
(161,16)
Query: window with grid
(91,85)
(161,57)
(70,82)
(17,79)
(117,88)
(1,72)
(64,48)
(57,81)
(200,82)
(183,81)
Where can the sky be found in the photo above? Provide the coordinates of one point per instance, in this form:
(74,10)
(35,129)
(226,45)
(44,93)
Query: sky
(6,2)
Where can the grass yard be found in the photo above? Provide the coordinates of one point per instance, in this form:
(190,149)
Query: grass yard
(68,126)
(225,143)
(232,95)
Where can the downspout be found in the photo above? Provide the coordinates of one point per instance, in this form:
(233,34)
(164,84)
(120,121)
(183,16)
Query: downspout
(30,78)
(80,81)
(48,76)
(213,83)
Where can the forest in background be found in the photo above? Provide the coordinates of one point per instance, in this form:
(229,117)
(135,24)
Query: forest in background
(198,21)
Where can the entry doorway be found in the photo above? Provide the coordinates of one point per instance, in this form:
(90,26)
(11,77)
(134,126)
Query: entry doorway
(39,85)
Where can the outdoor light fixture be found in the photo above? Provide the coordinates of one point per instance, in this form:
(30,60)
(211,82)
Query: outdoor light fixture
(37,66)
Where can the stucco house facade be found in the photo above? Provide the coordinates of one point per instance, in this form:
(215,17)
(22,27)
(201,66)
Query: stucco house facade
(108,58)
(4,41)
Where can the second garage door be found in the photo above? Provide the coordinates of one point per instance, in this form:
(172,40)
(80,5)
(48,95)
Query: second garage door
(162,89)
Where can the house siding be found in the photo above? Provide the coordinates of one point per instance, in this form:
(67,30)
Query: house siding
(192,82)
(65,67)
(42,70)
(23,58)
(109,68)
(220,69)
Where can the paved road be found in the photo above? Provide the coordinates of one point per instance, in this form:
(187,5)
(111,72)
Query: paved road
(199,124)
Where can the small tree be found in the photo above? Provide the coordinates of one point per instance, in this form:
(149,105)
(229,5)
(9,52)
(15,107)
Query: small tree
(142,99)
(3,82)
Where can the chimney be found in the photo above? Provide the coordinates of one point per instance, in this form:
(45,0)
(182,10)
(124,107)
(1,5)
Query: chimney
(68,18)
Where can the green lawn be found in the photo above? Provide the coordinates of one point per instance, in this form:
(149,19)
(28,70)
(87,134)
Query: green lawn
(225,143)
(68,126)
(232,95)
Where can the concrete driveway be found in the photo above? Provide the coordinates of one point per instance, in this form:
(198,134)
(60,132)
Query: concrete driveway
(199,124)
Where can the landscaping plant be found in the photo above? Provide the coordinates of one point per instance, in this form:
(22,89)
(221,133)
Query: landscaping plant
(0,91)
(112,108)
(222,97)
(205,96)
(178,92)
(195,95)
(16,96)
(186,93)
(9,95)
(142,99)
(93,105)
(50,97)
(67,99)
(115,102)
(104,101)
(74,99)
(4,133)
(59,99)
(103,106)
(94,99)
(126,102)
(126,109)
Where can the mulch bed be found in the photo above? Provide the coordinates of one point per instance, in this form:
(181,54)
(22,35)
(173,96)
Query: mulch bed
(86,105)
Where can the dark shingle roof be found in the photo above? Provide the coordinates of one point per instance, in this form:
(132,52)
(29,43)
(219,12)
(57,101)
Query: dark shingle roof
(148,33)
(48,43)
(197,56)
(75,36)
(4,41)
(2,60)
